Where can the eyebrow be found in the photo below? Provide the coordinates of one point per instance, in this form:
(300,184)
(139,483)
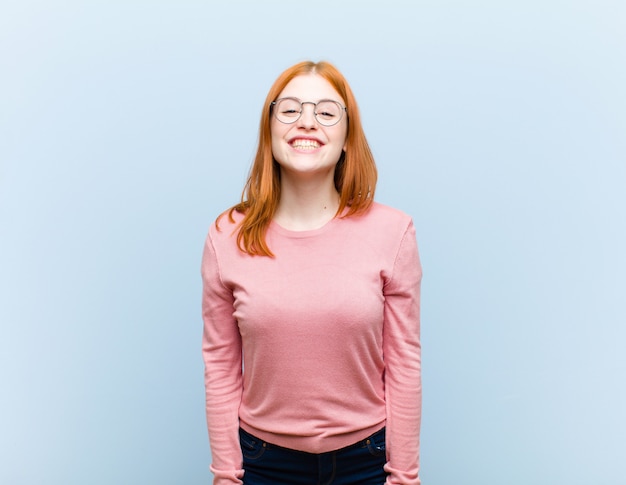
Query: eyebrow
(317,102)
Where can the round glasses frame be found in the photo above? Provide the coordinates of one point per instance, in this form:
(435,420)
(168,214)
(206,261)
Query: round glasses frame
(320,120)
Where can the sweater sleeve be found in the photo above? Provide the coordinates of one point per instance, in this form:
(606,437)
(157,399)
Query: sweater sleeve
(402,354)
(221,350)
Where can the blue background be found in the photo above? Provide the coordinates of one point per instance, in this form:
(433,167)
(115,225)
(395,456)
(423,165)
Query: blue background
(126,127)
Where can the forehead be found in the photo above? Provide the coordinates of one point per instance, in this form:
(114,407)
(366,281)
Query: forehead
(310,87)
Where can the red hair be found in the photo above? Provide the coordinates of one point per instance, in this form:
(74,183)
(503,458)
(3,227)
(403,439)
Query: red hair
(355,173)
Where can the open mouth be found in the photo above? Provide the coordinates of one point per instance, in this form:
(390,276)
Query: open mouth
(305,144)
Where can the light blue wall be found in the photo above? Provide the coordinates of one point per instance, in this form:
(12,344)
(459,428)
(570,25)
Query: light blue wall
(126,127)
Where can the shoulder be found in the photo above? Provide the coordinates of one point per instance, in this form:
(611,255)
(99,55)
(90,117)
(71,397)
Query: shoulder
(225,227)
(387,212)
(386,218)
(381,226)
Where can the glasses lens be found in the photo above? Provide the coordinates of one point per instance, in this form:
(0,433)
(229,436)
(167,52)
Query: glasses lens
(328,113)
(288,110)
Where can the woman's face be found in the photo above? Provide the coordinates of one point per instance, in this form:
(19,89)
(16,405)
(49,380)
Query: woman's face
(306,146)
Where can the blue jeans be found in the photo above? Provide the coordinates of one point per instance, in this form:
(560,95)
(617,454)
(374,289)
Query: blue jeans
(357,464)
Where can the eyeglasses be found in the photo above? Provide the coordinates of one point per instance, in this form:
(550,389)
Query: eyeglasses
(327,112)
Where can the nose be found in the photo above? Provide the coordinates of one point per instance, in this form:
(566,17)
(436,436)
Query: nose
(307,118)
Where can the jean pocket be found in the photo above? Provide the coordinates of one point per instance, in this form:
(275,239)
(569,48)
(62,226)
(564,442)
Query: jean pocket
(252,447)
(376,443)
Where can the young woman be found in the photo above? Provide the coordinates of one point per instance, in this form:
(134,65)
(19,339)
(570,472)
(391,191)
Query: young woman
(311,305)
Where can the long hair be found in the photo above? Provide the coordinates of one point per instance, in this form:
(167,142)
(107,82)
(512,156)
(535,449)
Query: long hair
(355,172)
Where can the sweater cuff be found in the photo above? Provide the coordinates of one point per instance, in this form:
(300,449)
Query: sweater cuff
(226,477)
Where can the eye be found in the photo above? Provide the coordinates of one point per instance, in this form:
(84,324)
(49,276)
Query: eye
(325,114)
(328,110)
(289,108)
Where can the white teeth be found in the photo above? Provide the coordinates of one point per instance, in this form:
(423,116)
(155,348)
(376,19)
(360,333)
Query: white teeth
(305,144)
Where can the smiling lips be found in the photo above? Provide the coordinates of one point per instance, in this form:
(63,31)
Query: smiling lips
(305,144)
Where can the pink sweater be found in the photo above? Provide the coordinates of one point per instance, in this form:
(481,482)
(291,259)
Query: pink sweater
(329,333)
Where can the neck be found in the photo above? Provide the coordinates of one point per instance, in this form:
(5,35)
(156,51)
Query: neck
(306,205)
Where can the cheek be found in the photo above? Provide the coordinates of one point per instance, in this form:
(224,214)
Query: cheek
(276,150)
(276,135)
(278,147)
(274,131)
(345,139)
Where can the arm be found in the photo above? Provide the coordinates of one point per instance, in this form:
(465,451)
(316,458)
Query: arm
(402,354)
(221,350)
